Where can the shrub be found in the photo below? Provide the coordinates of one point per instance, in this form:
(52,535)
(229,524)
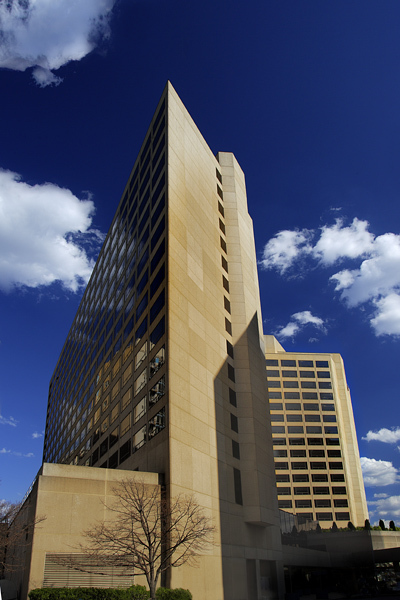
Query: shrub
(174,594)
(136,592)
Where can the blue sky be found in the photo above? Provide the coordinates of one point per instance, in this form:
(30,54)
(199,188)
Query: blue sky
(306,94)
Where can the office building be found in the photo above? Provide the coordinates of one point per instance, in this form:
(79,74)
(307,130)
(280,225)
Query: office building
(163,370)
(317,462)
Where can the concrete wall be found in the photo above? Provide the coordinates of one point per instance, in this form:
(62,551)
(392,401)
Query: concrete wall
(71,499)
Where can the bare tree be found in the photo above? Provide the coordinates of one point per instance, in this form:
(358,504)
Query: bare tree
(16,526)
(7,514)
(147,535)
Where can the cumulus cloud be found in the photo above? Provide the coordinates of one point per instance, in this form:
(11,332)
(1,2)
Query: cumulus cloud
(10,421)
(337,242)
(285,248)
(388,436)
(388,507)
(45,235)
(47,35)
(378,473)
(374,280)
(36,435)
(13,453)
(298,321)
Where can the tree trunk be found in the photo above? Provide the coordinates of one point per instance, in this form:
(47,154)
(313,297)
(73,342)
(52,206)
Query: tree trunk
(152,586)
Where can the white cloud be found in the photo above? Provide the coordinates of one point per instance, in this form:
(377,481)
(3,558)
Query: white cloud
(10,421)
(378,473)
(36,435)
(375,280)
(381,495)
(46,34)
(284,249)
(337,242)
(387,319)
(299,321)
(42,232)
(388,436)
(388,507)
(19,454)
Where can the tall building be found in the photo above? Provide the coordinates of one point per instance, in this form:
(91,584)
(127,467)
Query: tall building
(163,369)
(317,462)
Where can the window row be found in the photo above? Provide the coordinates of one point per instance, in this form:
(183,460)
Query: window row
(340,503)
(301,363)
(298,374)
(304,477)
(280,453)
(298,418)
(319,516)
(329,429)
(313,465)
(298,441)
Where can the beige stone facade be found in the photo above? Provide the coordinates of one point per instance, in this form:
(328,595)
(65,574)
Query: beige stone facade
(163,369)
(316,454)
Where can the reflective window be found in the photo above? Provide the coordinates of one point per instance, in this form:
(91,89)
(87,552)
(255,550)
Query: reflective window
(272,373)
(319,477)
(301,491)
(157,361)
(281,466)
(141,381)
(290,384)
(293,418)
(295,429)
(274,384)
(313,429)
(331,429)
(308,384)
(286,373)
(329,418)
(139,438)
(139,409)
(275,406)
(280,453)
(157,391)
(288,363)
(296,442)
(300,477)
(298,465)
(157,423)
(312,418)
(297,453)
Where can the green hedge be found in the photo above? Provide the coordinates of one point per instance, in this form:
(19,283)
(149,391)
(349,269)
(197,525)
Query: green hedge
(175,594)
(136,592)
